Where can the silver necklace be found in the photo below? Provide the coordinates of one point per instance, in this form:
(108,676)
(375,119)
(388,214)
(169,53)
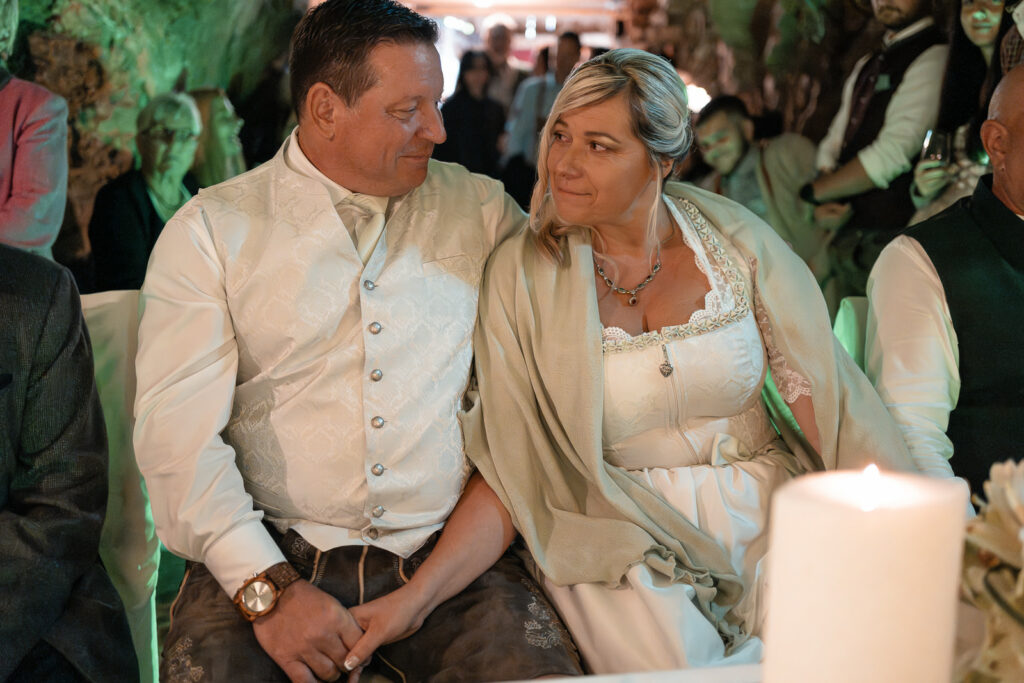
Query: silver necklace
(630,292)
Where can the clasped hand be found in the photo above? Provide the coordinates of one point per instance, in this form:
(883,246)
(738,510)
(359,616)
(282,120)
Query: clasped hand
(309,634)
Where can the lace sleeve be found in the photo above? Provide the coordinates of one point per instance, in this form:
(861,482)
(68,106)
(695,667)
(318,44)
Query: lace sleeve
(790,383)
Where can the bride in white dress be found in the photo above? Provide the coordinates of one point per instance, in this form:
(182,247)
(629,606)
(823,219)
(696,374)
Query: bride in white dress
(622,351)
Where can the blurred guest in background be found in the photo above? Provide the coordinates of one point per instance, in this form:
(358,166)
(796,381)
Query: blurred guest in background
(889,102)
(219,150)
(509,72)
(529,112)
(542,62)
(1011,51)
(33,153)
(474,122)
(763,175)
(267,113)
(971,75)
(131,210)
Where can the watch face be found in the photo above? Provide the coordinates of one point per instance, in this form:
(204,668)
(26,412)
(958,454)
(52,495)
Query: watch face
(258,597)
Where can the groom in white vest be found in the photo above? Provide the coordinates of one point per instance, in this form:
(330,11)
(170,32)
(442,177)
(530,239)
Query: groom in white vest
(304,347)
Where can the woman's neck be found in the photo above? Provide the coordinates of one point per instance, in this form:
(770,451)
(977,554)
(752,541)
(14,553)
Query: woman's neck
(631,239)
(987,51)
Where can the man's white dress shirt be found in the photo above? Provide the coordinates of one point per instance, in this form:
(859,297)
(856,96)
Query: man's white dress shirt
(280,377)
(910,350)
(911,353)
(912,111)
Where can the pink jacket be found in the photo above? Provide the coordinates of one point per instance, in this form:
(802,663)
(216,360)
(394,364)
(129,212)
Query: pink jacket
(33,165)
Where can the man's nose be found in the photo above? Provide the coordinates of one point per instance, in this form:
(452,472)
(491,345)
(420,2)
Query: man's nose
(433,127)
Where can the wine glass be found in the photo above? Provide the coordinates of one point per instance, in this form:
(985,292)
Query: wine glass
(938,146)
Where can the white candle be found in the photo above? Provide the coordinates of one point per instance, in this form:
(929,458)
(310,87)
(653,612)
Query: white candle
(863,571)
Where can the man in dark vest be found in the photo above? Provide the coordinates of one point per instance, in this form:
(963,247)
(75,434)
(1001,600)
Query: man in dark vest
(946,318)
(889,102)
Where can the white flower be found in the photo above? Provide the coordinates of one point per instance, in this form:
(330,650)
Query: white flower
(999,529)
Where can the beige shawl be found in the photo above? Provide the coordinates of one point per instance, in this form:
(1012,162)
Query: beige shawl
(535,431)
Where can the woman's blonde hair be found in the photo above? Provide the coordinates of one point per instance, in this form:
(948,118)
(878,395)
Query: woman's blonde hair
(660,118)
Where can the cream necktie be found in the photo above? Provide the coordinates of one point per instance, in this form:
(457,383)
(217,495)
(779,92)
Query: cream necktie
(370,223)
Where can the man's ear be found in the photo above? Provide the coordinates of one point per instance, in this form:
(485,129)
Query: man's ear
(747,127)
(323,109)
(994,138)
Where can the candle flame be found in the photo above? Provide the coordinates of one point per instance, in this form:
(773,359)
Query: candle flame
(871,478)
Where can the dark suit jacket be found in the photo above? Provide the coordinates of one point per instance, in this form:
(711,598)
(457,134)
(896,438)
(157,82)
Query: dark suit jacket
(123,229)
(53,480)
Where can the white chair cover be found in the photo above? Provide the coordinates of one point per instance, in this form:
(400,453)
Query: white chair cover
(128,545)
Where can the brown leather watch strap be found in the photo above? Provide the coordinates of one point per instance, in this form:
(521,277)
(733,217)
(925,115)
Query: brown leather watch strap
(282,575)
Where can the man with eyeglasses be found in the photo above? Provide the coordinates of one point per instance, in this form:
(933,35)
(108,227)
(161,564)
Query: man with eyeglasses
(131,210)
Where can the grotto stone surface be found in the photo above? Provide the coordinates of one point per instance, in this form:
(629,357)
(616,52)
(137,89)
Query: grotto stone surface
(108,57)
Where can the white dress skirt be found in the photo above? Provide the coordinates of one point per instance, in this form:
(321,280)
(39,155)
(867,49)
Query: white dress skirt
(701,436)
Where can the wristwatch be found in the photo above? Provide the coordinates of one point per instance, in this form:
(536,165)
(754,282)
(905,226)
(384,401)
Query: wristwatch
(259,594)
(807,194)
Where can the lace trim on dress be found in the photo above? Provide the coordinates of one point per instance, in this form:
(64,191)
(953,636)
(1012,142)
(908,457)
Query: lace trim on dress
(726,303)
(790,383)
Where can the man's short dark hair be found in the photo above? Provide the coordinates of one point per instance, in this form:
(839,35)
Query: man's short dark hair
(573,36)
(730,104)
(333,41)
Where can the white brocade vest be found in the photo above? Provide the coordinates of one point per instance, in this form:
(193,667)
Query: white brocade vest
(350,379)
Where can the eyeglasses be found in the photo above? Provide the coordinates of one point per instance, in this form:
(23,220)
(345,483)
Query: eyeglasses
(169,135)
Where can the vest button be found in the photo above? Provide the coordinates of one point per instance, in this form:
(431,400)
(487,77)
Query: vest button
(377,422)
(375,328)
(377,511)
(376,375)
(369,285)
(377,470)
(373,533)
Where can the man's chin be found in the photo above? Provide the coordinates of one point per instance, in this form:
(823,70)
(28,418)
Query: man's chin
(894,20)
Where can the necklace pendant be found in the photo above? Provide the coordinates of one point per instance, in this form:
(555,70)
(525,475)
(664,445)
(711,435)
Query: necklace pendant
(632,300)
(666,369)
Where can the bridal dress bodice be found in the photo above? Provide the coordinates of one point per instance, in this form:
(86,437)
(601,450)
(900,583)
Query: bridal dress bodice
(683,411)
(690,394)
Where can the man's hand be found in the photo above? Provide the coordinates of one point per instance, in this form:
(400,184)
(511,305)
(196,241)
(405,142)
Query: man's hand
(930,176)
(388,618)
(308,633)
(832,215)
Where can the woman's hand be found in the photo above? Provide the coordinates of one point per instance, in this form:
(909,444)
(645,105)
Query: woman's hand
(389,618)
(930,177)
